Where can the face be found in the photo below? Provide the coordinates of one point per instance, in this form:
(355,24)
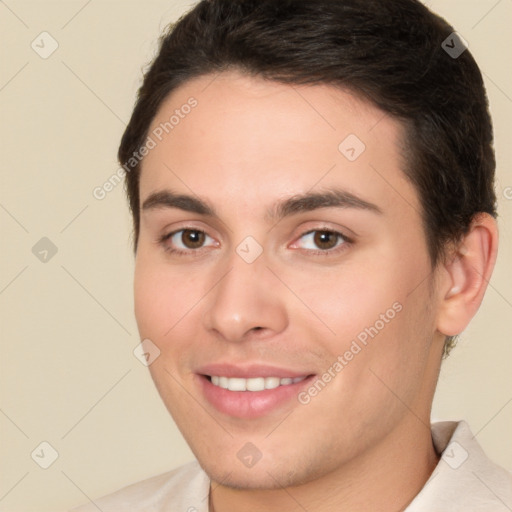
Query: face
(282,272)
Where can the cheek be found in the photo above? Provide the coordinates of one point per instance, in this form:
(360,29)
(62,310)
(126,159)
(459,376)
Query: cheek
(375,322)
(347,299)
(149,301)
(375,378)
(160,301)
(158,297)
(394,354)
(166,300)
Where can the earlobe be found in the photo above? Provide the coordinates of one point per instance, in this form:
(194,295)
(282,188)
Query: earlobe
(465,277)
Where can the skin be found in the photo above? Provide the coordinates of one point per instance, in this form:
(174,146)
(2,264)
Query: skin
(363,442)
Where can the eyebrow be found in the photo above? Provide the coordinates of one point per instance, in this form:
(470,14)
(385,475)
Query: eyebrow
(299,203)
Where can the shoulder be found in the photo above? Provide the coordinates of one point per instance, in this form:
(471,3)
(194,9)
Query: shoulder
(465,478)
(185,488)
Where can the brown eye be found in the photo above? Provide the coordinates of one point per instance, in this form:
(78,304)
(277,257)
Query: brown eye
(187,242)
(192,239)
(325,239)
(322,241)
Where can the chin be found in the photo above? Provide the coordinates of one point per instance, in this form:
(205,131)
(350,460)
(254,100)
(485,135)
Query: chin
(262,476)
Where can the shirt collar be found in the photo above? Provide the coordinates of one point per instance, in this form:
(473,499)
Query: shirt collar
(465,478)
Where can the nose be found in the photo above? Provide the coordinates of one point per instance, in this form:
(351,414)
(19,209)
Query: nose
(246,300)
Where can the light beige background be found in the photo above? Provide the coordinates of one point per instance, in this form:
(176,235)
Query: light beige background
(68,374)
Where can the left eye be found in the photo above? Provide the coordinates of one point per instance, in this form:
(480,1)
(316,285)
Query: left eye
(321,239)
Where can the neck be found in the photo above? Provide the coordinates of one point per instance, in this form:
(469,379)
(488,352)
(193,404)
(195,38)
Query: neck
(385,478)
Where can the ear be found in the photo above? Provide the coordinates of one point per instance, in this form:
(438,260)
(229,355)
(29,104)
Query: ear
(464,278)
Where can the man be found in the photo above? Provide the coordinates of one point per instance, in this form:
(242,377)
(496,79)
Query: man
(314,224)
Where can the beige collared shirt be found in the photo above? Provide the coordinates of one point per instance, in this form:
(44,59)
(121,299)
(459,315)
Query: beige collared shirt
(465,480)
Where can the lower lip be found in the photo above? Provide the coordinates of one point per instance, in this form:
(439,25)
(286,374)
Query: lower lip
(250,404)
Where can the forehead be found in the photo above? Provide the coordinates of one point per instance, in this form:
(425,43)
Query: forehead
(246,136)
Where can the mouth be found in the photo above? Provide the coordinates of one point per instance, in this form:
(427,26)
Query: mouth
(250,392)
(253,384)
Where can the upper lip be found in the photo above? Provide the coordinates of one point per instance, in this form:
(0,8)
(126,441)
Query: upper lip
(249,371)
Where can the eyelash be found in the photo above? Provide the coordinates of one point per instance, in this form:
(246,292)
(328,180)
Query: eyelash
(196,252)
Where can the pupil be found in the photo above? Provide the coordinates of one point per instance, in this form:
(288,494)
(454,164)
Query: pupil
(192,239)
(325,239)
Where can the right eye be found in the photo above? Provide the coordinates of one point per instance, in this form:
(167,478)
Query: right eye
(184,241)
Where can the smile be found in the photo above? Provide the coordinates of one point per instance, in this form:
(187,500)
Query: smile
(253,384)
(250,393)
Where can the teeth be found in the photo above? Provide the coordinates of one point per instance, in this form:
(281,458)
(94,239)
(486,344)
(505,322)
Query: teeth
(252,384)
(256,384)
(235,384)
